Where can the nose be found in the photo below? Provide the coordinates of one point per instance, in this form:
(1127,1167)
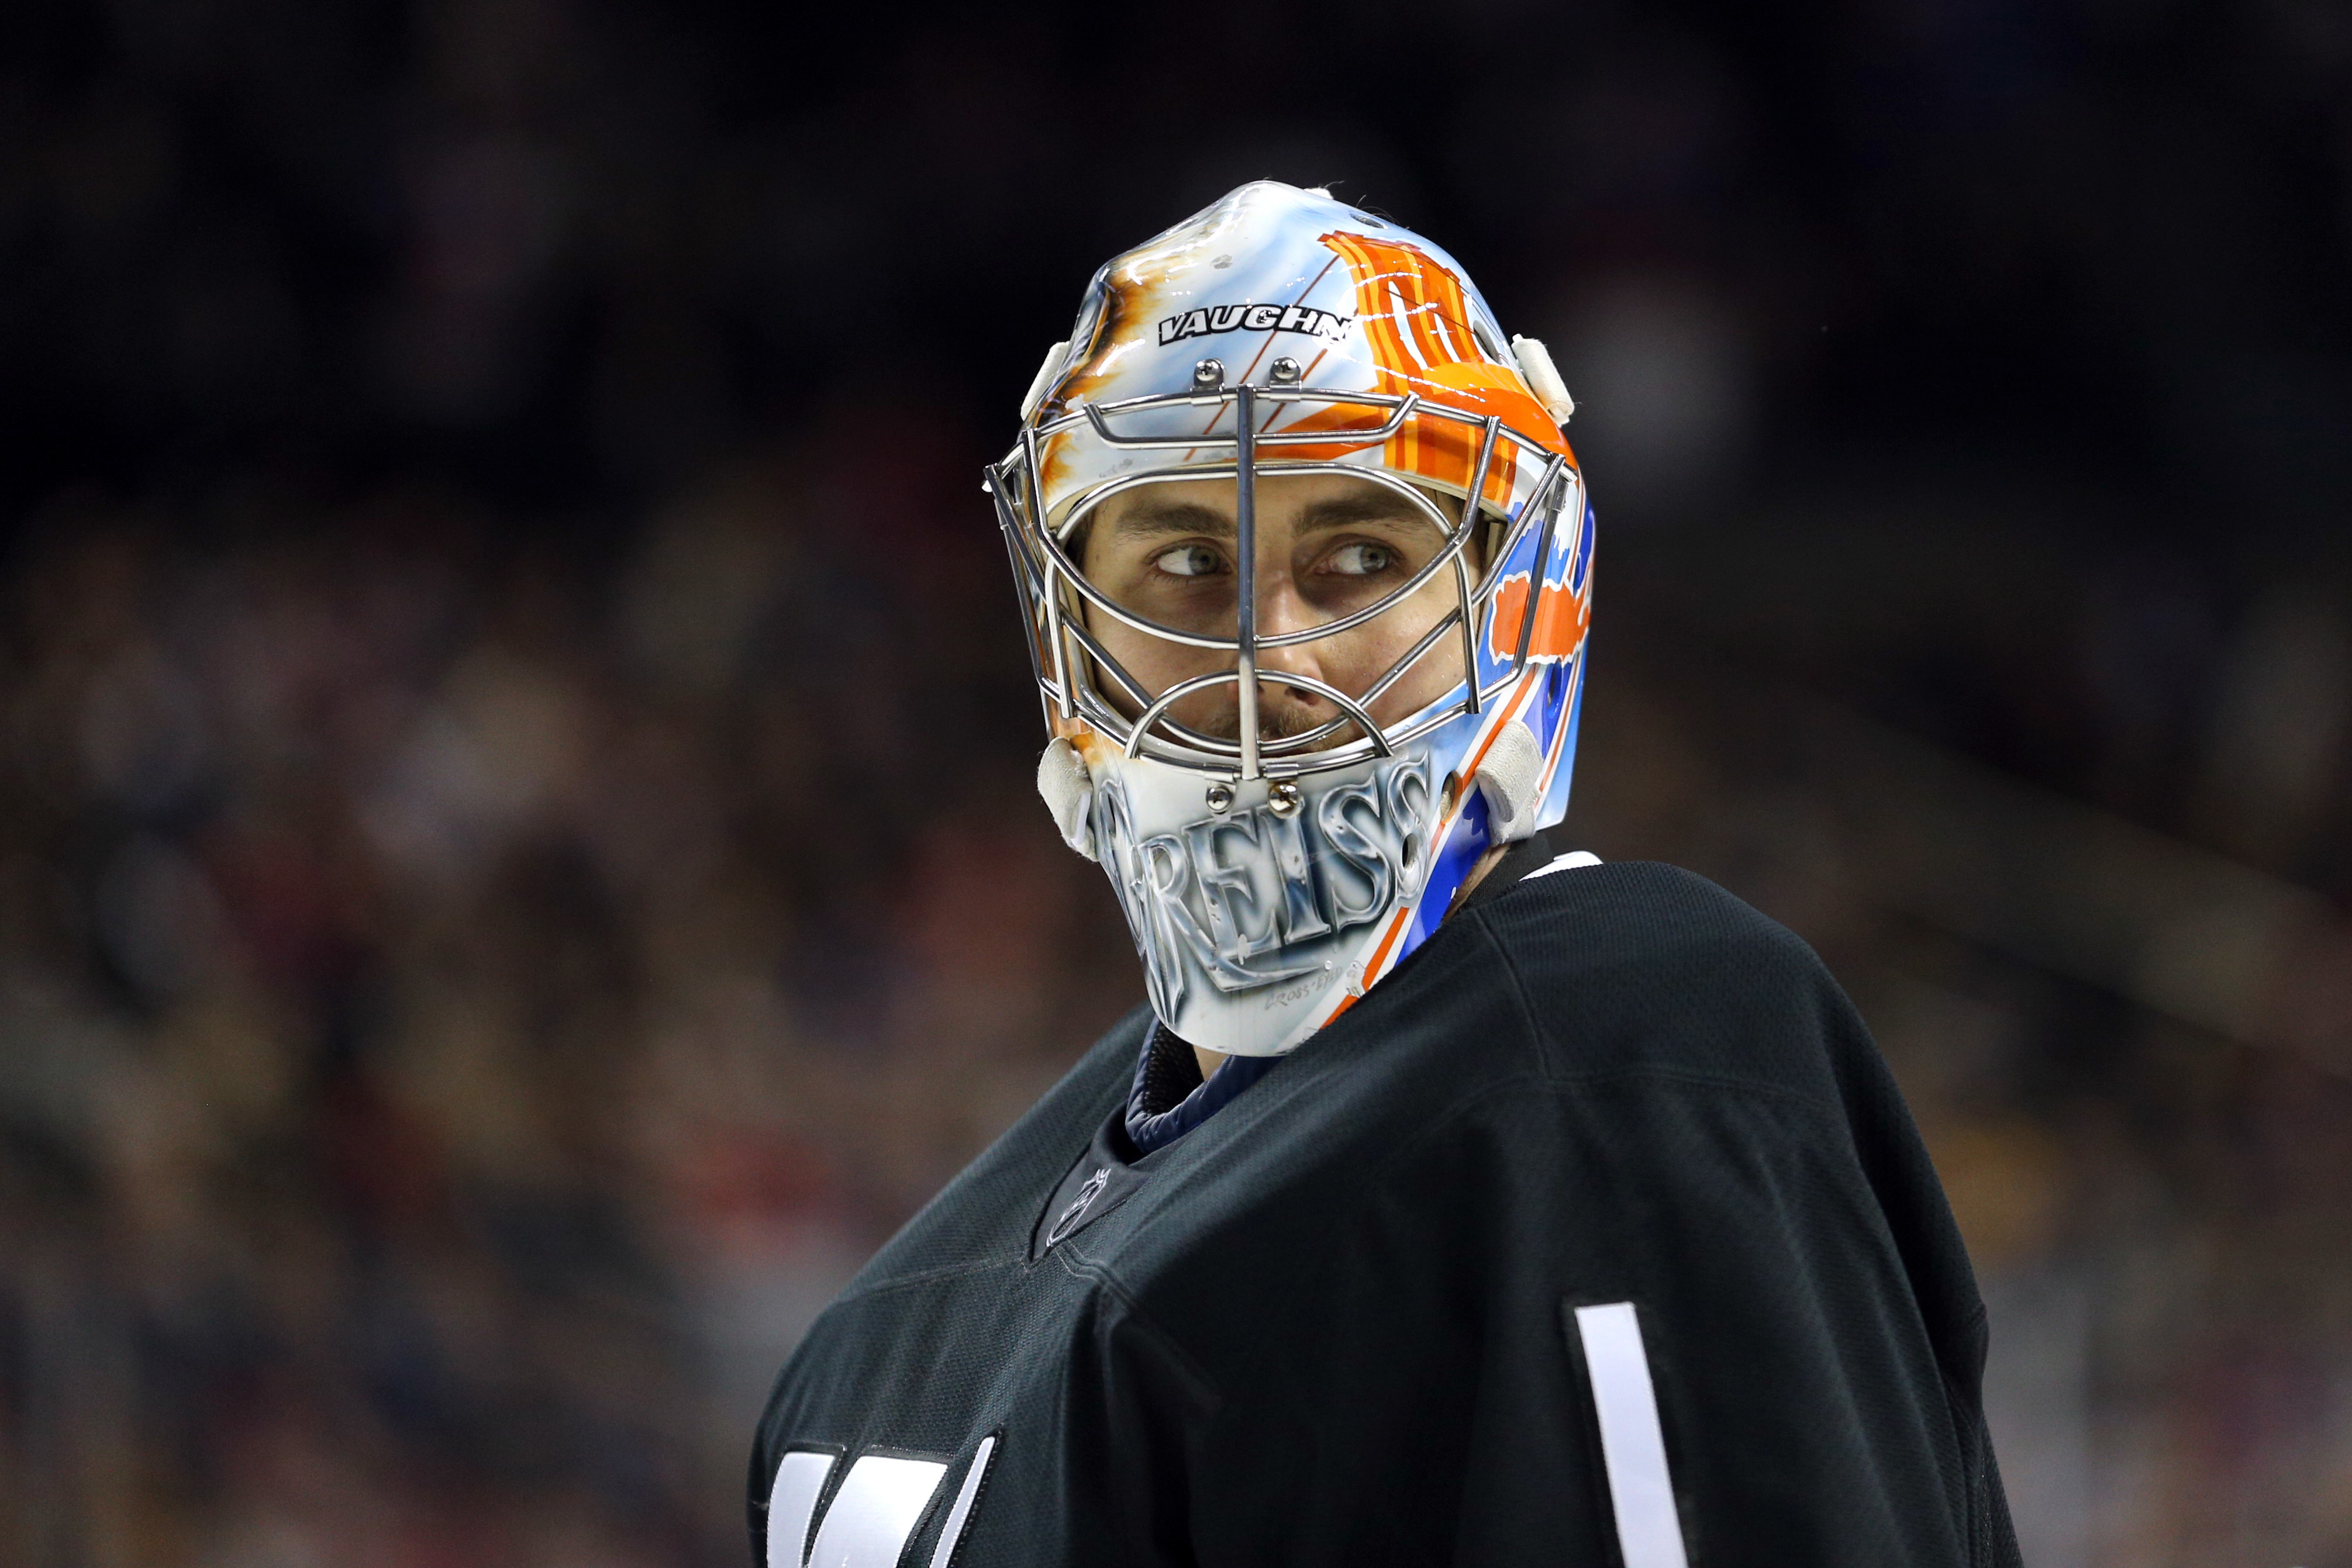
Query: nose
(1281,609)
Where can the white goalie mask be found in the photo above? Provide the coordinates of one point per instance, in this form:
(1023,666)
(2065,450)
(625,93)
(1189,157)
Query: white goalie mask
(1306,564)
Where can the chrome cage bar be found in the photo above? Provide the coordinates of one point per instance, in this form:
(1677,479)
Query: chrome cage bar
(1245,576)
(1060,645)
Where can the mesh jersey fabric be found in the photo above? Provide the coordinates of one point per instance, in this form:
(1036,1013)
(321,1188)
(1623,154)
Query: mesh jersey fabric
(1326,1326)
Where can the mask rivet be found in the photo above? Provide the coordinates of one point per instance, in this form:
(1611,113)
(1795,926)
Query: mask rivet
(1282,800)
(1286,372)
(1208,375)
(1220,799)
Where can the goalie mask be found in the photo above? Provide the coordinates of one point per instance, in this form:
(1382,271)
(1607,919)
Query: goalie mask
(1306,567)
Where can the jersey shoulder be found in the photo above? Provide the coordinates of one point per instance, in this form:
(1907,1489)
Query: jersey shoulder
(1634,966)
(984,1216)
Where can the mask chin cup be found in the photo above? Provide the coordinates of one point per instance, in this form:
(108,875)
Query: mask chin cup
(1069,792)
(1508,777)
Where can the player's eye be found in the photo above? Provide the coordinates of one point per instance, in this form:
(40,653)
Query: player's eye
(1360,559)
(1188,561)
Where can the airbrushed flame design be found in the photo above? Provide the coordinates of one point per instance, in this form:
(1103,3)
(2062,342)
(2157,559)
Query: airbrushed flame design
(1121,330)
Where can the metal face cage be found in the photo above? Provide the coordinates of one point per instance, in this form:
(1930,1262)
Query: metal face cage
(1067,658)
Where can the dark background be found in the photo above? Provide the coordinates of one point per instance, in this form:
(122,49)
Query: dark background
(517,862)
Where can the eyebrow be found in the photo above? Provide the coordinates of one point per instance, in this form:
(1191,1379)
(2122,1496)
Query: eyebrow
(1154,519)
(1170,518)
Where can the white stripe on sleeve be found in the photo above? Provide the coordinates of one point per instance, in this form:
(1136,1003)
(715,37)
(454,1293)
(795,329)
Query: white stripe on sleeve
(871,1516)
(952,1532)
(791,1506)
(1649,1532)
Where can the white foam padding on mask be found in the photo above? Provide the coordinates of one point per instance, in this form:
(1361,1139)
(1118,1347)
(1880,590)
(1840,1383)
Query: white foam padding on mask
(1543,378)
(1069,792)
(1044,379)
(1509,776)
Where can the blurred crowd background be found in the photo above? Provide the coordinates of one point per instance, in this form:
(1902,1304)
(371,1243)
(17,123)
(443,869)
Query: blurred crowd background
(518,865)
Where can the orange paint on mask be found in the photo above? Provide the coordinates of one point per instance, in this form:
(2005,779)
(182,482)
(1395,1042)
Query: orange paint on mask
(1415,320)
(1131,300)
(1561,621)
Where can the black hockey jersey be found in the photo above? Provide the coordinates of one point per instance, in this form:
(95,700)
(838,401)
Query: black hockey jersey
(1597,1233)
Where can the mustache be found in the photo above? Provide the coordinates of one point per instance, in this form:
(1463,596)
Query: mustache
(1281,714)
